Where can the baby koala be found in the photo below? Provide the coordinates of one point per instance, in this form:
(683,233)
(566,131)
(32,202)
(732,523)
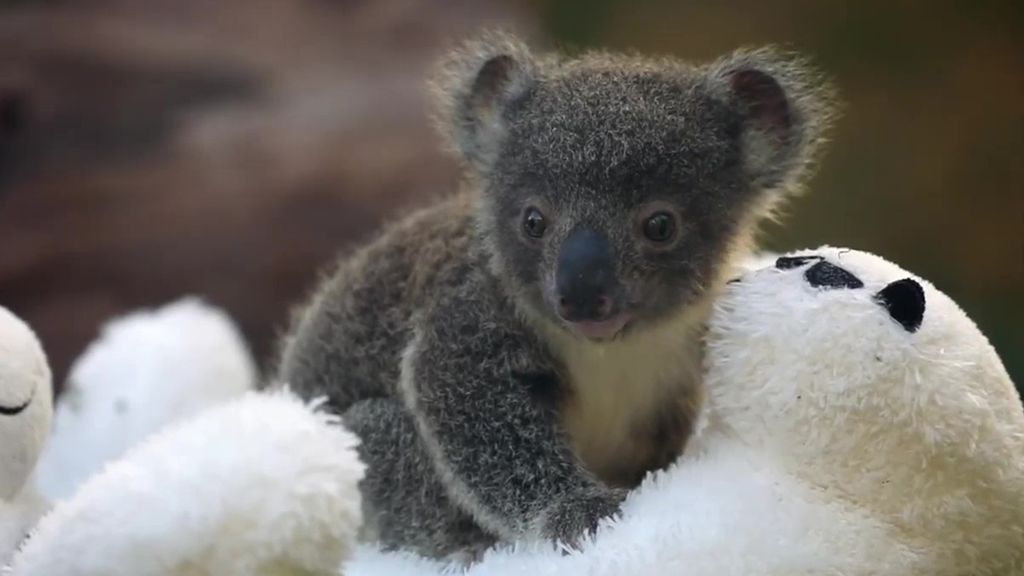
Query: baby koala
(517,356)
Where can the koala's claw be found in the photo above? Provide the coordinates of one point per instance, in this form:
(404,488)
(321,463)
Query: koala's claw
(575,517)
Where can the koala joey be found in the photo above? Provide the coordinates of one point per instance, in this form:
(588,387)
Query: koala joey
(518,355)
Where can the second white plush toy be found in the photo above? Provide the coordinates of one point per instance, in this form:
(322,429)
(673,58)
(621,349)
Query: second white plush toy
(26,408)
(259,486)
(169,466)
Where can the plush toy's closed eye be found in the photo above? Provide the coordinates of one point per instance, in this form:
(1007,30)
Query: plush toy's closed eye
(904,299)
(18,409)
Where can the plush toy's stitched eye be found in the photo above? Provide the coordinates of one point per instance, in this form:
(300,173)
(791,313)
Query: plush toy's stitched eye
(534,223)
(790,262)
(828,275)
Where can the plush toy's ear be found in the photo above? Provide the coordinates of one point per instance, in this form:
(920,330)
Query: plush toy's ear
(784,109)
(475,87)
(904,299)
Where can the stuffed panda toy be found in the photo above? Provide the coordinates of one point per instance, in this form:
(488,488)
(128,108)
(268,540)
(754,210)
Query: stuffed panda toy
(873,388)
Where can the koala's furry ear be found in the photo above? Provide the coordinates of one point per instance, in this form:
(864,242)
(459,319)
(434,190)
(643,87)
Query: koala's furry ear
(785,108)
(474,88)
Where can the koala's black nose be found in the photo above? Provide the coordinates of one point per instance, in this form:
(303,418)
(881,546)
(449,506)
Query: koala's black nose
(585,281)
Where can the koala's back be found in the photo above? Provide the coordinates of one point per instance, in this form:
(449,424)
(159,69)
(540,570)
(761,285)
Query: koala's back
(347,341)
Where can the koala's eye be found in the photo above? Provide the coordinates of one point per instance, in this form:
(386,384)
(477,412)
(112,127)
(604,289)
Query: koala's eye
(660,227)
(534,223)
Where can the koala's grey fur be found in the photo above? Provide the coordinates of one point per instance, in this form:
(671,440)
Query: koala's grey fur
(485,418)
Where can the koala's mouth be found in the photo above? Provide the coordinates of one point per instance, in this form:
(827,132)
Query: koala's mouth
(606,329)
(17,409)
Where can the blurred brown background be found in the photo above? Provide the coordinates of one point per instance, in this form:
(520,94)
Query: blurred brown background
(155,148)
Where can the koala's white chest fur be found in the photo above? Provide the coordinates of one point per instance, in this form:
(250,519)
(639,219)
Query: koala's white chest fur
(620,387)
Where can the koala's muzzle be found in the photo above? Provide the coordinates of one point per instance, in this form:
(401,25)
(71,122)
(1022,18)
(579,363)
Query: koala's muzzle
(585,282)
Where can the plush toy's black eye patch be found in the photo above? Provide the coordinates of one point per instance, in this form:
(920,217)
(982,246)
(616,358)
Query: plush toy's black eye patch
(790,262)
(904,299)
(828,275)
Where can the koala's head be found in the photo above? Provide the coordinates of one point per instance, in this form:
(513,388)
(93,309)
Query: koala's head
(26,403)
(615,188)
(865,377)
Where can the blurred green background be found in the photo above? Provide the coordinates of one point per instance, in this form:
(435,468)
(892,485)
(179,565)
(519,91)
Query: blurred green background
(155,148)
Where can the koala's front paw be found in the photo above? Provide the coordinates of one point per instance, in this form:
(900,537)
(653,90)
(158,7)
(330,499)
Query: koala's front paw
(576,516)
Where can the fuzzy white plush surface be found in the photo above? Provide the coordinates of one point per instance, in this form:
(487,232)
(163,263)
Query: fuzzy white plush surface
(727,512)
(146,370)
(263,485)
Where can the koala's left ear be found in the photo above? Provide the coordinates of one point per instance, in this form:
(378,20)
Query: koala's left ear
(784,109)
(476,85)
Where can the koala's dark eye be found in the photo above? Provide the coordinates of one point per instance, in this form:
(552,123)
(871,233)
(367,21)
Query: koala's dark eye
(534,223)
(660,227)
(790,262)
(828,275)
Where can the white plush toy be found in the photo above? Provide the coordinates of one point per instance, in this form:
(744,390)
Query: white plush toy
(260,486)
(874,388)
(216,479)
(856,423)
(26,407)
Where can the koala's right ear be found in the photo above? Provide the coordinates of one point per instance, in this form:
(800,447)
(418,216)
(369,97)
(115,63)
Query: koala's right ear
(476,85)
(785,109)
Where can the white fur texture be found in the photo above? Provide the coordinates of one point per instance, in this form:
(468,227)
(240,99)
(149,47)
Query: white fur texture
(146,370)
(923,430)
(263,485)
(728,512)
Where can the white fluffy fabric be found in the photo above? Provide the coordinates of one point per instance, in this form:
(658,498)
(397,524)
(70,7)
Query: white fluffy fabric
(922,429)
(727,512)
(146,370)
(263,485)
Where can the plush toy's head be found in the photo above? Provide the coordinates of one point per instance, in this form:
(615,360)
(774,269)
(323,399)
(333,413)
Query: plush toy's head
(26,403)
(870,383)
